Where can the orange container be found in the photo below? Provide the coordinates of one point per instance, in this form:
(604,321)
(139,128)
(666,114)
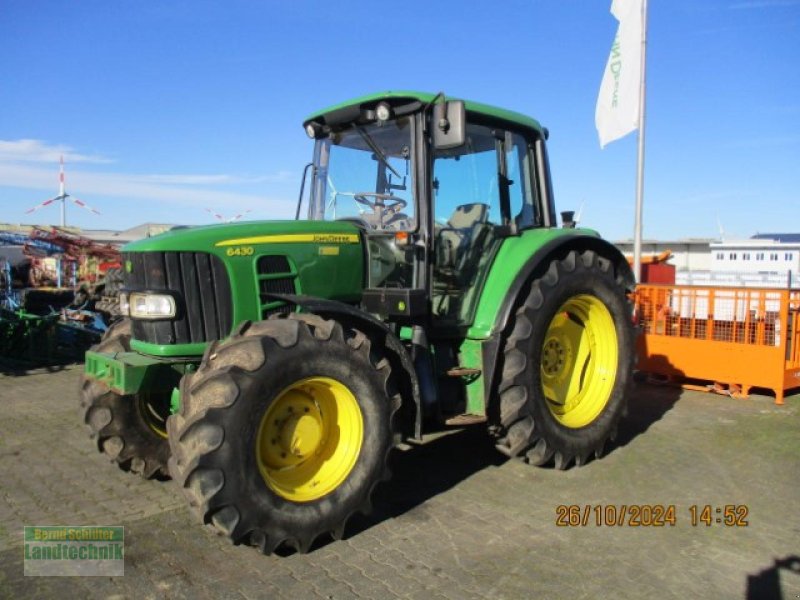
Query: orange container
(737,338)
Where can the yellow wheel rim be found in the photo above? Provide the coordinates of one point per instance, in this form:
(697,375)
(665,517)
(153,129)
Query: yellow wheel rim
(309,439)
(579,361)
(154,409)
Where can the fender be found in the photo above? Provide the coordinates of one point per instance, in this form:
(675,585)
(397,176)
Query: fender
(378,331)
(535,267)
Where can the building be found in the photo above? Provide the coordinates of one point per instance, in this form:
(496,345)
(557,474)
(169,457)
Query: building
(763,253)
(145,230)
(764,260)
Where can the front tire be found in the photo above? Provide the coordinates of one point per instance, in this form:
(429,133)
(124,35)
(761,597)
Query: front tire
(284,431)
(567,364)
(130,430)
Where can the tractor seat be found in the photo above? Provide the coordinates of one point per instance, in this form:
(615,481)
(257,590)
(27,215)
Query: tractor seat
(467,215)
(457,243)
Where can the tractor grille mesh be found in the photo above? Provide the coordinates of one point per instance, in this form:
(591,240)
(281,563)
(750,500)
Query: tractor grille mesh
(279,280)
(272,264)
(202,290)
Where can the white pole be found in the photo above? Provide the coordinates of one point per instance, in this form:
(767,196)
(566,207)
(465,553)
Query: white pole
(637,226)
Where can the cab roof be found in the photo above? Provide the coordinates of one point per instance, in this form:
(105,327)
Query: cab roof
(477,108)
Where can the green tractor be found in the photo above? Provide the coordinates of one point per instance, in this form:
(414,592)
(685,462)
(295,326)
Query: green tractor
(270,367)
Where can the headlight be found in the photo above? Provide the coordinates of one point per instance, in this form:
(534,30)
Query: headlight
(313,130)
(383,112)
(124,304)
(151,306)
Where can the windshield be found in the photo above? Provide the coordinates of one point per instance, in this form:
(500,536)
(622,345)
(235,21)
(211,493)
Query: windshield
(363,174)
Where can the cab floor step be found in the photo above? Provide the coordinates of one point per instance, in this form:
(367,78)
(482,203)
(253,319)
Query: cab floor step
(459,420)
(463,372)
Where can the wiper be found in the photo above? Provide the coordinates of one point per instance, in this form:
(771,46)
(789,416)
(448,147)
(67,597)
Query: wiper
(374,147)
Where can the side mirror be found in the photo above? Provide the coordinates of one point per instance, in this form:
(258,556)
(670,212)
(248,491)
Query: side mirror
(449,122)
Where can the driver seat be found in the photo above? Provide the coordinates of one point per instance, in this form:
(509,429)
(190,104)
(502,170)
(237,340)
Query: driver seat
(458,242)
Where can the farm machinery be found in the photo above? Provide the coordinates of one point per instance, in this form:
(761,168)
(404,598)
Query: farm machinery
(58,292)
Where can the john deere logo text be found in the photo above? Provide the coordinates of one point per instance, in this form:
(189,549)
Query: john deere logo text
(332,238)
(294,238)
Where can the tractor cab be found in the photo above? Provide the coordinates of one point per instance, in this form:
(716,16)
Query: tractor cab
(435,185)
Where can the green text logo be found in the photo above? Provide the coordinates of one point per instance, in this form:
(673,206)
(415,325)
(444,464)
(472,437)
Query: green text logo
(67,550)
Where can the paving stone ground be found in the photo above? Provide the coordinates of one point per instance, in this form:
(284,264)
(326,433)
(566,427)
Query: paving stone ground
(457,521)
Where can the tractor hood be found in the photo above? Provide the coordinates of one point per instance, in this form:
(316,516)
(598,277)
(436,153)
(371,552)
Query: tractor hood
(255,234)
(221,275)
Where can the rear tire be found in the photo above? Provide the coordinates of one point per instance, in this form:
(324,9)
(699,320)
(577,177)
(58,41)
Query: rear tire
(131,429)
(284,431)
(567,364)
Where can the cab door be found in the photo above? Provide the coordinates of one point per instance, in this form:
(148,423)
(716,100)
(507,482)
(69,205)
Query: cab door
(482,192)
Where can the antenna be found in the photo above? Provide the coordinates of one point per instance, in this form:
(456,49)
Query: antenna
(62,197)
(580,212)
(721,230)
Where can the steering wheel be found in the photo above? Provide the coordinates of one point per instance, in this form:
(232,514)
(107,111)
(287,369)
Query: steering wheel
(395,204)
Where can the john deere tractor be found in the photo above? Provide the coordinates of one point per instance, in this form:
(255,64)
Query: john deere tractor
(270,367)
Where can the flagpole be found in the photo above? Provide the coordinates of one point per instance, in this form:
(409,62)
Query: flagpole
(637,226)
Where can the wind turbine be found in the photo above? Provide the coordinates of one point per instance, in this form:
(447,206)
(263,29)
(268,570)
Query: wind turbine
(222,219)
(334,196)
(62,197)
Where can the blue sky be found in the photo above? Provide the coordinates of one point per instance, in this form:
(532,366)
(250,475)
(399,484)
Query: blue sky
(163,109)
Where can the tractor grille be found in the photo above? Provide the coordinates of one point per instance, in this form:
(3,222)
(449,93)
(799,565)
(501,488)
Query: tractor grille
(275,276)
(203,292)
(272,264)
